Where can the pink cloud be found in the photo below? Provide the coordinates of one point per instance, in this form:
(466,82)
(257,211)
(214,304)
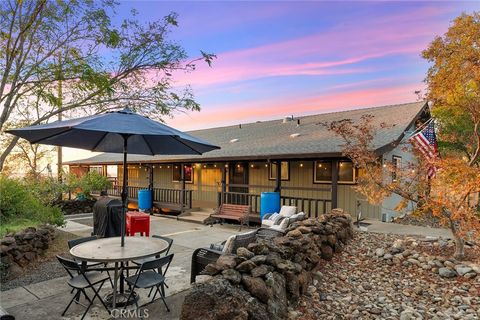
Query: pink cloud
(280,106)
(349,44)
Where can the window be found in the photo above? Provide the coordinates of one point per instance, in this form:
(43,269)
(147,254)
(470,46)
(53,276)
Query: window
(346,171)
(177,173)
(97,169)
(397,165)
(323,171)
(284,171)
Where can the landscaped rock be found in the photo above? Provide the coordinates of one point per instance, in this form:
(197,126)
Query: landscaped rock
(207,301)
(327,252)
(274,273)
(257,287)
(380,252)
(19,249)
(232,275)
(259,260)
(210,270)
(246,266)
(7,240)
(260,271)
(226,261)
(294,233)
(244,252)
(277,304)
(304,229)
(447,273)
(461,269)
(470,275)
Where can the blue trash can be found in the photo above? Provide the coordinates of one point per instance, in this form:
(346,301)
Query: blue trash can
(144,199)
(269,203)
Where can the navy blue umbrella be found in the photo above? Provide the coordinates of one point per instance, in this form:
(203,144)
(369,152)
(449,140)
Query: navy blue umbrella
(118,132)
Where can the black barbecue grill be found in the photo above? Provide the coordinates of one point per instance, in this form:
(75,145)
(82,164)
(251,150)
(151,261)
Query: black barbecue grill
(107,217)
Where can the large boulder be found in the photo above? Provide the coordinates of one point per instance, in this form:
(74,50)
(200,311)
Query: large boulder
(257,287)
(277,303)
(219,300)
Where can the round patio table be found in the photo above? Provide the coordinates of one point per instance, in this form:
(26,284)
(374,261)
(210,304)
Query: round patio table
(109,250)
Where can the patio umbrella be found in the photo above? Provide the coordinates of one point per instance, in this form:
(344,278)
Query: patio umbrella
(118,132)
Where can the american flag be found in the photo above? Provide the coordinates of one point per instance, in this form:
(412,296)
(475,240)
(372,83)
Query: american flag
(426,142)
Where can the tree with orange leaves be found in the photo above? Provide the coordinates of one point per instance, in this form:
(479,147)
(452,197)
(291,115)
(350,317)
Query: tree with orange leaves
(446,196)
(453,81)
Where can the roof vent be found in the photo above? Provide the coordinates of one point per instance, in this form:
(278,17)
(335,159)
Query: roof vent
(233,140)
(294,135)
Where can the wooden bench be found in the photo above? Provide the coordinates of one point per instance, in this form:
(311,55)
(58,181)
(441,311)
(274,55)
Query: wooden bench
(235,212)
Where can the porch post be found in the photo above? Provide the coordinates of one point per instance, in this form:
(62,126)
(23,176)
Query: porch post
(182,193)
(334,184)
(278,178)
(150,183)
(224,185)
(150,177)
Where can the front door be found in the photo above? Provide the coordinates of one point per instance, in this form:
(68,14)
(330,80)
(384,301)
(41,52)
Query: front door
(238,175)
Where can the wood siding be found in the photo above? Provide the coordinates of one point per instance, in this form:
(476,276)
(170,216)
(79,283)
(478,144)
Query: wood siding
(207,183)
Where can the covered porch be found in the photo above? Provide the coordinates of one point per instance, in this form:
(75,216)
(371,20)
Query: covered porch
(313,185)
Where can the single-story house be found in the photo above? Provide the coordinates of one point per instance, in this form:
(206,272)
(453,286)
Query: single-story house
(296,156)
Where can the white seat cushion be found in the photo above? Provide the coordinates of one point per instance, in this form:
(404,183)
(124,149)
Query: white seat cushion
(287,211)
(227,247)
(272,219)
(282,226)
(298,217)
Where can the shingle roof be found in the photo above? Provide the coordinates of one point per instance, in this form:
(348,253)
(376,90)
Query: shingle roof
(272,139)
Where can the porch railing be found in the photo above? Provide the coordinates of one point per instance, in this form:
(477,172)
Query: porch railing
(313,207)
(161,195)
(173,196)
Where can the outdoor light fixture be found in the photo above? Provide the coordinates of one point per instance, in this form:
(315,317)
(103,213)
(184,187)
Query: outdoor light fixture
(168,167)
(160,167)
(301,164)
(226,166)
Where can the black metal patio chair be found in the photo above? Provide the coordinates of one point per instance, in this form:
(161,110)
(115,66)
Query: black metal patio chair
(138,262)
(201,257)
(80,280)
(151,275)
(89,264)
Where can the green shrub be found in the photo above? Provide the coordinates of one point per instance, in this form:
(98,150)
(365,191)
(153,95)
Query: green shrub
(92,181)
(47,190)
(20,204)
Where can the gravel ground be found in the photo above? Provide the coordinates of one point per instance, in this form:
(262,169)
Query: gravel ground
(45,268)
(356,285)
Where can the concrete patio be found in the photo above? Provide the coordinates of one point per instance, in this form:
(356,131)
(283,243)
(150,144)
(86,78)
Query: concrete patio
(46,300)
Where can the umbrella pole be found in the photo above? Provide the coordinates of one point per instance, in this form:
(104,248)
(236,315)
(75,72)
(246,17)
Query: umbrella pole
(124,188)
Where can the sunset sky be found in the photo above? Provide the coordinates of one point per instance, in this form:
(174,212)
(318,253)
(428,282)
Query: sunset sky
(297,58)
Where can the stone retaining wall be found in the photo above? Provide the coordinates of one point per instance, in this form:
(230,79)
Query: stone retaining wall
(18,249)
(264,279)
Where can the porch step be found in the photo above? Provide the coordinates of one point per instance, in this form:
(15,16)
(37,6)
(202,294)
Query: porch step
(196,216)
